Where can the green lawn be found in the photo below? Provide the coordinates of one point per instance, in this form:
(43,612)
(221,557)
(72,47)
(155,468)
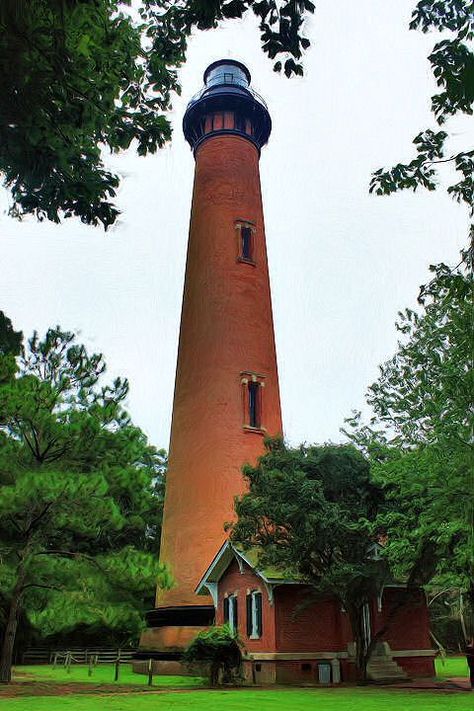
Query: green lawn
(102,674)
(452,666)
(245,700)
(343,699)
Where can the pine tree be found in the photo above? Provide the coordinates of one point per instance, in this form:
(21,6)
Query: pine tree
(80,498)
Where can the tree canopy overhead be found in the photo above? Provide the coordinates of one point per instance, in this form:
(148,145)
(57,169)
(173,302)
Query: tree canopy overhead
(452,63)
(82,75)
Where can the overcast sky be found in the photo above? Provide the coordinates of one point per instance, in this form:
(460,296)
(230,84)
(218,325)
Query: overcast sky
(342,263)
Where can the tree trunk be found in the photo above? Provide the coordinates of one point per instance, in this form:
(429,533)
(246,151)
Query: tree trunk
(470,610)
(11,627)
(355,617)
(214,673)
(364,650)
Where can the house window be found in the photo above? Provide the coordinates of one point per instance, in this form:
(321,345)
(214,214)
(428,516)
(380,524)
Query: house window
(252,398)
(231,612)
(254,614)
(246,242)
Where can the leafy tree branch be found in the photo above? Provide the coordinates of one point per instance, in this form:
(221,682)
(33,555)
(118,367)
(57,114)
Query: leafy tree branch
(452,63)
(80,77)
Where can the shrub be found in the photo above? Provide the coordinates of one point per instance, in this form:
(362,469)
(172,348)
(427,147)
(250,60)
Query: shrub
(220,649)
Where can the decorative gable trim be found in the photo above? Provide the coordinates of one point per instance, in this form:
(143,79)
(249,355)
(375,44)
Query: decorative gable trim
(226,554)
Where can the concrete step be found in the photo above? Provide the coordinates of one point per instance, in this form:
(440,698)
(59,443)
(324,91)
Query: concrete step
(385,669)
(383,664)
(385,676)
(389,669)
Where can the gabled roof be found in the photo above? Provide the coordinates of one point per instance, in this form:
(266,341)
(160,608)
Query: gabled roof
(250,556)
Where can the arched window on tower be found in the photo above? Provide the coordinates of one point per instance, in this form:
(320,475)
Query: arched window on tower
(245,241)
(252,400)
(254,405)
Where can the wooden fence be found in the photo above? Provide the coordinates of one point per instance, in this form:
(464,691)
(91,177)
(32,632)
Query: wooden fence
(104,655)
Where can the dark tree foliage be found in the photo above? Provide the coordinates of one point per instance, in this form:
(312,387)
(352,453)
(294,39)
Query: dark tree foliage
(419,440)
(10,340)
(82,75)
(420,437)
(10,346)
(220,650)
(80,497)
(452,62)
(450,617)
(312,511)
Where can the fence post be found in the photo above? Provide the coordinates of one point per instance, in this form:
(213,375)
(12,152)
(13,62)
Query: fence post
(91,665)
(68,662)
(150,672)
(55,660)
(117,666)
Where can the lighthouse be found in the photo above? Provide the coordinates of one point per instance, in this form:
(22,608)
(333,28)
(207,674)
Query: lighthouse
(226,401)
(226,397)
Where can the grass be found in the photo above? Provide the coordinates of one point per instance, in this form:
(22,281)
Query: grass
(102,674)
(451,667)
(184,694)
(291,700)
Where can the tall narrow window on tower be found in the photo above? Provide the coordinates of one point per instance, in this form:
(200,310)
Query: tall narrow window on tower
(254,409)
(246,236)
(252,391)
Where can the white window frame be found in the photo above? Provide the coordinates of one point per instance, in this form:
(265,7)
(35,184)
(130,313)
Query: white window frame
(232,605)
(253,606)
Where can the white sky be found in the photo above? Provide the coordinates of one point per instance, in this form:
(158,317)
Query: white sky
(342,263)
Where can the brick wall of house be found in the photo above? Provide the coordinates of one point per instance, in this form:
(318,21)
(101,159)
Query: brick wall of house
(292,626)
(409,627)
(235,582)
(417,666)
(319,626)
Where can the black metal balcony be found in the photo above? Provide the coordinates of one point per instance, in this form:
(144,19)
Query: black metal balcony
(227,105)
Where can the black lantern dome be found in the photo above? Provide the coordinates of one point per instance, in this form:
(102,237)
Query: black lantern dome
(227,105)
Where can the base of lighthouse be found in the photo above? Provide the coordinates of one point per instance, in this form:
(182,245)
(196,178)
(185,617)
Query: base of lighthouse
(168,633)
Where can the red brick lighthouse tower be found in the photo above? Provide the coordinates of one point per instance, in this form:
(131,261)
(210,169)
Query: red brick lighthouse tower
(226,394)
